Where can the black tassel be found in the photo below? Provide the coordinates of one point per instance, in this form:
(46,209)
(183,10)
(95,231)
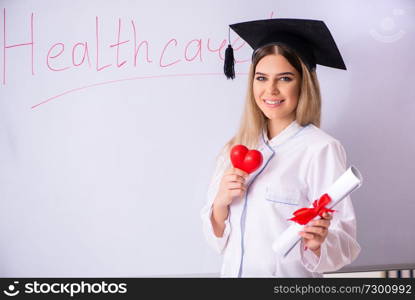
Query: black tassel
(229,66)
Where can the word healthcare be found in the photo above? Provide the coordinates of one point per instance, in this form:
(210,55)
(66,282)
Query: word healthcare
(118,54)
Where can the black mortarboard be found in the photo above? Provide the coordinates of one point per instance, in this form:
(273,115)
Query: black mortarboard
(310,39)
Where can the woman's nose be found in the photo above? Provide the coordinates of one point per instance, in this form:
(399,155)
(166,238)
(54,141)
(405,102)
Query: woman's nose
(272,88)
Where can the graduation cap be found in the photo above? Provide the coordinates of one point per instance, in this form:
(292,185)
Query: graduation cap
(310,39)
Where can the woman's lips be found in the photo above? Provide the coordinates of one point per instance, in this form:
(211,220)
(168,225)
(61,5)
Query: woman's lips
(274,105)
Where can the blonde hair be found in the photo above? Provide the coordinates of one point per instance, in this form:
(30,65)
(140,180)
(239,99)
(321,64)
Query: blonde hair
(253,120)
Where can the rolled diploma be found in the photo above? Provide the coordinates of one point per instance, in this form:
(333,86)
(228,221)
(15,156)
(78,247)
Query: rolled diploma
(340,189)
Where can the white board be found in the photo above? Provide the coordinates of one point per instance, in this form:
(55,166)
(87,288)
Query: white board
(103,170)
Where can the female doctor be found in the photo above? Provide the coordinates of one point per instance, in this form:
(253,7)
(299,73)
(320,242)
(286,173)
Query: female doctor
(245,214)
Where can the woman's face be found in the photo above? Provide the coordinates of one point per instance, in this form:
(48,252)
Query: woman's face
(276,87)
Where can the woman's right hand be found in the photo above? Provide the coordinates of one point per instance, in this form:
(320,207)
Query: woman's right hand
(231,186)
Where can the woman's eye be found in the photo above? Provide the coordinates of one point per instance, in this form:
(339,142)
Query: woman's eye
(260,78)
(285,78)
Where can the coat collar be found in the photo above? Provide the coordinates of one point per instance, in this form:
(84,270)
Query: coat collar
(287,133)
(268,147)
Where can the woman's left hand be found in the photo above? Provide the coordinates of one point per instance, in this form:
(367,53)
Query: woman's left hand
(315,232)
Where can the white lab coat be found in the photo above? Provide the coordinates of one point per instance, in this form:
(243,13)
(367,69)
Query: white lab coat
(299,164)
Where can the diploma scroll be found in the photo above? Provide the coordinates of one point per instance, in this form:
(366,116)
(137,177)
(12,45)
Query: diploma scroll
(340,189)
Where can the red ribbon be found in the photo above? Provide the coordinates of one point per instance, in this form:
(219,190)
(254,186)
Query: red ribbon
(304,215)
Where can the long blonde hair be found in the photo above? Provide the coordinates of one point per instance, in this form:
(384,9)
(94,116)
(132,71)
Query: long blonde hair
(253,120)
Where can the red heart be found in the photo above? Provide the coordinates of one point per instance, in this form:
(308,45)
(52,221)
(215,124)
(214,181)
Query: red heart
(244,159)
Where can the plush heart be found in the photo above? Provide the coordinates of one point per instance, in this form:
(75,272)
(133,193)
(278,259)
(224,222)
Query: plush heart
(244,159)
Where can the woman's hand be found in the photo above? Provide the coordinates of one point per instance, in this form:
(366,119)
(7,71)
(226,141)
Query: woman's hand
(315,232)
(231,186)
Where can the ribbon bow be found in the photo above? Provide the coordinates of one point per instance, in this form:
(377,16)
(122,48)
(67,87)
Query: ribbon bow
(304,215)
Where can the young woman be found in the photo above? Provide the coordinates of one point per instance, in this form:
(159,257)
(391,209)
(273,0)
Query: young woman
(245,214)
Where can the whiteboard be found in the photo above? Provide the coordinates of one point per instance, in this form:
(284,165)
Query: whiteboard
(112,114)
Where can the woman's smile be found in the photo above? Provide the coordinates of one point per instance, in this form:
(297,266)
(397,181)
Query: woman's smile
(273,103)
